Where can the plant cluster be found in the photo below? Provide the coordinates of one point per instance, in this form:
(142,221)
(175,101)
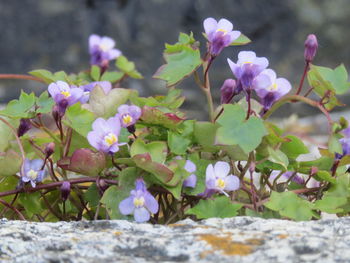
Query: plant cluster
(88,148)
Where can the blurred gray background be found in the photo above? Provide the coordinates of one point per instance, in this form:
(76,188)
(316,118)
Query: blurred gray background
(53,34)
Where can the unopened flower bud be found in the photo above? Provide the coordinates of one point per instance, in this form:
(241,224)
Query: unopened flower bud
(55,113)
(311,46)
(23,127)
(65,190)
(227,91)
(62,106)
(313,170)
(49,149)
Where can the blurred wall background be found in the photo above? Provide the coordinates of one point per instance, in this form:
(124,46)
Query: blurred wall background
(53,34)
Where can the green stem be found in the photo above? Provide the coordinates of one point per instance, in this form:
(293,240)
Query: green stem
(210,104)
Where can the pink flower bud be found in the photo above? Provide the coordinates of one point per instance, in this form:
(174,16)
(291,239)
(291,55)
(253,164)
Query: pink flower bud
(49,149)
(65,190)
(227,91)
(311,46)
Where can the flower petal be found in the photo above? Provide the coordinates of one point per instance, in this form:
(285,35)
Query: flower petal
(209,173)
(225,25)
(114,53)
(246,56)
(107,43)
(232,183)
(190,166)
(126,207)
(234,35)
(222,169)
(141,215)
(209,25)
(151,203)
(190,181)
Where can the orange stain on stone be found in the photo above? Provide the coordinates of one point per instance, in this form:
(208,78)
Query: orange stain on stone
(226,245)
(282,236)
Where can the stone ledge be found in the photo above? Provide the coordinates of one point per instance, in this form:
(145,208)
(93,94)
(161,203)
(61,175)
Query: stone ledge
(240,239)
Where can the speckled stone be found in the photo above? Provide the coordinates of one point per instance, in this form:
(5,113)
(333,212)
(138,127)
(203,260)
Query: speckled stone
(240,239)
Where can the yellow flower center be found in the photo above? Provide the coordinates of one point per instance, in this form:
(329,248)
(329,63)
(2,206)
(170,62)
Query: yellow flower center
(247,62)
(139,202)
(111,139)
(32,174)
(273,87)
(220,183)
(222,30)
(66,94)
(127,119)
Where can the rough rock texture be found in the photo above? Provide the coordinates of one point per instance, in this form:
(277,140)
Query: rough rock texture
(240,239)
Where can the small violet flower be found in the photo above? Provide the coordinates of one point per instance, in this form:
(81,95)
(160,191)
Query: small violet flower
(220,34)
(128,115)
(24,126)
(285,177)
(269,88)
(105,85)
(140,203)
(104,135)
(247,67)
(102,50)
(64,95)
(345,144)
(191,180)
(33,172)
(218,178)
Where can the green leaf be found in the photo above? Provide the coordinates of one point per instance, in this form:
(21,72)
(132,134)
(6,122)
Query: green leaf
(334,145)
(92,195)
(44,103)
(21,108)
(277,156)
(220,207)
(154,116)
(43,74)
(236,130)
(79,119)
(241,40)
(204,135)
(30,202)
(290,205)
(106,105)
(8,183)
(294,147)
(157,150)
(181,59)
(177,143)
(112,76)
(324,176)
(10,163)
(111,199)
(95,73)
(6,133)
(160,171)
(127,67)
(337,198)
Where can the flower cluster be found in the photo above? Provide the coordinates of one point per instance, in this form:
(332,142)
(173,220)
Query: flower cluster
(34,171)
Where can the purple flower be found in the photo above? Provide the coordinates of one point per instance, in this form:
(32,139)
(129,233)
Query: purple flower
(220,34)
(191,180)
(102,50)
(218,178)
(285,176)
(140,203)
(33,172)
(105,85)
(128,115)
(104,135)
(345,143)
(269,88)
(247,67)
(311,46)
(228,90)
(64,95)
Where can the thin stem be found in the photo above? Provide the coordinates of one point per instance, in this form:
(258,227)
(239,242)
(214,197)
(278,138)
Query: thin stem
(12,208)
(19,76)
(249,104)
(55,185)
(210,104)
(306,69)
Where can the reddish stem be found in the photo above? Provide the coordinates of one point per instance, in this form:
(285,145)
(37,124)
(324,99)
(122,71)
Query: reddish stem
(19,76)
(306,69)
